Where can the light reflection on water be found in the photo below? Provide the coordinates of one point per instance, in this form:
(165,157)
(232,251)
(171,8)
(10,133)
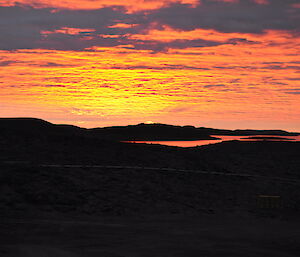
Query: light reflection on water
(222,139)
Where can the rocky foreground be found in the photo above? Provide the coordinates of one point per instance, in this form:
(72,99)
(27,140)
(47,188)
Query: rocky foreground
(69,195)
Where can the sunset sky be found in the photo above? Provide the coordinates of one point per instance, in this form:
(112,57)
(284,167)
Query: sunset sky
(94,63)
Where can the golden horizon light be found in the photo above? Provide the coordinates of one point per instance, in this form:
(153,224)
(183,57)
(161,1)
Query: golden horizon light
(105,63)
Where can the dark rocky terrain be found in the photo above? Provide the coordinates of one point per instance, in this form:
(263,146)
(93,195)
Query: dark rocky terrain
(107,176)
(65,192)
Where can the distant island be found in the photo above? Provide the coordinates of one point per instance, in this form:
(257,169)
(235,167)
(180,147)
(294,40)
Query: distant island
(269,138)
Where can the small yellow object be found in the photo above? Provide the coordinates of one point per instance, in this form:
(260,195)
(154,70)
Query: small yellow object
(268,201)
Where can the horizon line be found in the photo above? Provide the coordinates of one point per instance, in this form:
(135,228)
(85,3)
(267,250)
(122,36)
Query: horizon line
(145,123)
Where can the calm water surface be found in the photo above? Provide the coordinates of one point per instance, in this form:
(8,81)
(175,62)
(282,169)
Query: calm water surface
(222,139)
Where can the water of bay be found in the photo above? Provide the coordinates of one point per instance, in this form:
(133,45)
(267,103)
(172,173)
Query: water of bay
(193,143)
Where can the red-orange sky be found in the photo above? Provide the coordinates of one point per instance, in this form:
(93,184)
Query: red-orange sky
(213,63)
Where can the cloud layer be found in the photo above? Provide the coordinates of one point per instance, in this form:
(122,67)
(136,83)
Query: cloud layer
(25,27)
(208,62)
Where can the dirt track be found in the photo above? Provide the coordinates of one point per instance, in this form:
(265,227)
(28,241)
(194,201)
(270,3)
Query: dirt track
(208,236)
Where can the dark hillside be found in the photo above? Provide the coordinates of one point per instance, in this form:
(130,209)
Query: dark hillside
(129,191)
(152,132)
(265,158)
(36,128)
(27,183)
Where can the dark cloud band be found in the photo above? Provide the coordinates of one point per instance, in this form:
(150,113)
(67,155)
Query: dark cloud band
(22,27)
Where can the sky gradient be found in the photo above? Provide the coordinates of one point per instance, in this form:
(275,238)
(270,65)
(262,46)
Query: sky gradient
(214,63)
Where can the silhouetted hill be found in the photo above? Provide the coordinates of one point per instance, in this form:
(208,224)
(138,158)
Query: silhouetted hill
(37,141)
(152,132)
(24,125)
(33,176)
(37,128)
(242,132)
(245,132)
(32,127)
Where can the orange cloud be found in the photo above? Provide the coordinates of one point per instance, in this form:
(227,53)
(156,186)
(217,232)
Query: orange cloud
(168,34)
(123,25)
(131,5)
(67,30)
(173,64)
(240,84)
